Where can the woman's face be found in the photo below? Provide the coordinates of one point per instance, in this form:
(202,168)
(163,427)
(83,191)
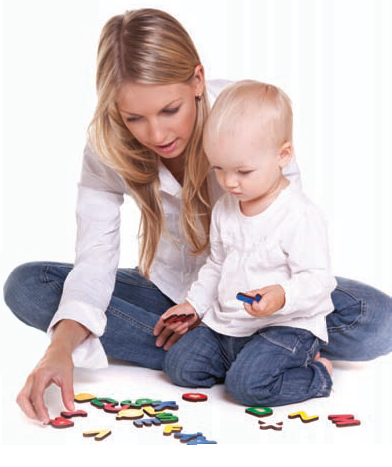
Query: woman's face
(161,117)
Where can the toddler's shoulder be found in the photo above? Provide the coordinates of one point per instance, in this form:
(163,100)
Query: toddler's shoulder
(302,209)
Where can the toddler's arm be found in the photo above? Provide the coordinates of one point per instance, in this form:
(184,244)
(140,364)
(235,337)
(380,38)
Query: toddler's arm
(204,292)
(308,289)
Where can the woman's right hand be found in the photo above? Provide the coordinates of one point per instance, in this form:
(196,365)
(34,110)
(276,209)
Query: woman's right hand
(55,367)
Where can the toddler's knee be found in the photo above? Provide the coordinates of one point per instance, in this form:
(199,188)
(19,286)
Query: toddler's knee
(184,369)
(247,391)
(176,366)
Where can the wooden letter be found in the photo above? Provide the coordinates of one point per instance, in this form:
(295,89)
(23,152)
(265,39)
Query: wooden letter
(259,411)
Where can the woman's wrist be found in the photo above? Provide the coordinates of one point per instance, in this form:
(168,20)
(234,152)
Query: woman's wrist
(67,335)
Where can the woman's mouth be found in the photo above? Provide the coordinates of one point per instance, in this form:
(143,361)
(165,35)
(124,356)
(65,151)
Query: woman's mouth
(167,147)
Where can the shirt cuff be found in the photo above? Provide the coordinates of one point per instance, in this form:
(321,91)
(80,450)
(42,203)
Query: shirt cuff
(90,353)
(287,307)
(197,307)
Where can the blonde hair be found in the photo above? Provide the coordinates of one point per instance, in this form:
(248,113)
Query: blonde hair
(149,46)
(263,103)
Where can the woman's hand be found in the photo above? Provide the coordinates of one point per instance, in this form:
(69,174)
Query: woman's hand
(174,323)
(272,300)
(56,367)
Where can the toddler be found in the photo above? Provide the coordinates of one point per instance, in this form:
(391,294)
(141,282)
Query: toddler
(269,241)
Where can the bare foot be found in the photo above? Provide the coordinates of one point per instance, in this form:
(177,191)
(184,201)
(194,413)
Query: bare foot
(325,362)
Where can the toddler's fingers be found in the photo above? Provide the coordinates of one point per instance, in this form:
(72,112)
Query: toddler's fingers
(161,325)
(250,309)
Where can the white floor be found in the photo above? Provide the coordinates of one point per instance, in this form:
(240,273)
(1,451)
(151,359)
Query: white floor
(361,389)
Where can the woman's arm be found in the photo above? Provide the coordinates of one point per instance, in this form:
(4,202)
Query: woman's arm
(56,367)
(89,286)
(80,318)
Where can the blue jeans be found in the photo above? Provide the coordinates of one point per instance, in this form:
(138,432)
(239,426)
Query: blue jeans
(272,367)
(33,293)
(359,329)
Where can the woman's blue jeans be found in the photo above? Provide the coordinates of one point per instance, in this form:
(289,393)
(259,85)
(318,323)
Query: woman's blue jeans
(359,329)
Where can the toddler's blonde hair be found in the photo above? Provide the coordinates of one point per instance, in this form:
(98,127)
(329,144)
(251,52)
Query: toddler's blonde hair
(263,103)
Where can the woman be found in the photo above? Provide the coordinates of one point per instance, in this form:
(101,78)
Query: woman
(145,141)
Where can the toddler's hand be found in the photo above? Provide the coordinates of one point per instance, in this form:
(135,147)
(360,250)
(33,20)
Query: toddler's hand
(272,300)
(174,323)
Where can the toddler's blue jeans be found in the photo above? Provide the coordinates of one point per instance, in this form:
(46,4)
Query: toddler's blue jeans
(272,367)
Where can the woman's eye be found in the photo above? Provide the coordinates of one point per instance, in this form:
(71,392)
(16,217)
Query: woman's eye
(132,119)
(172,111)
(244,172)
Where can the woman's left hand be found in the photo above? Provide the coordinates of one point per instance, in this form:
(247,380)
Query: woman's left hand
(169,331)
(272,300)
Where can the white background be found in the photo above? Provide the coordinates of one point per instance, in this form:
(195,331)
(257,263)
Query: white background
(332,57)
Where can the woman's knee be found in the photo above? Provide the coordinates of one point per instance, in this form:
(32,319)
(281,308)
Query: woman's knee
(28,296)
(17,282)
(361,325)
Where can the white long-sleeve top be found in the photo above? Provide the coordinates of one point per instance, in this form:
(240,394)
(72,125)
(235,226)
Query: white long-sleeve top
(286,244)
(89,286)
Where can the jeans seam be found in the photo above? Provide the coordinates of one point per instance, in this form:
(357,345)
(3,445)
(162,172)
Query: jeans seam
(135,283)
(310,354)
(347,293)
(326,380)
(279,344)
(45,278)
(122,315)
(354,323)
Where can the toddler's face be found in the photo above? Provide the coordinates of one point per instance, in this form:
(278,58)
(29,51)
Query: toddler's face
(247,164)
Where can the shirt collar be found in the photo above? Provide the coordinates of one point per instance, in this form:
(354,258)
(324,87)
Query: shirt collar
(168,184)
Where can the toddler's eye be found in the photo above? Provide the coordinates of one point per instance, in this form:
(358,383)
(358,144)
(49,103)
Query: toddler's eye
(245,172)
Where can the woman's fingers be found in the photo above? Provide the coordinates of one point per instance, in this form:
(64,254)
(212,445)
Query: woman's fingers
(37,400)
(24,401)
(67,393)
(31,399)
(55,367)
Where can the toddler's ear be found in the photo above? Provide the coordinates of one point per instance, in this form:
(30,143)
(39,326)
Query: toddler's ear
(285,154)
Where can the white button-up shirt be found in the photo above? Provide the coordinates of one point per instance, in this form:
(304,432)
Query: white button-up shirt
(287,245)
(89,286)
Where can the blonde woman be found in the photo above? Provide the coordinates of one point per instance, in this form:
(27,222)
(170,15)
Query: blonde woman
(145,140)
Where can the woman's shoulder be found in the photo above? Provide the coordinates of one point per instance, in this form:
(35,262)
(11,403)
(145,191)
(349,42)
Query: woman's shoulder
(99,176)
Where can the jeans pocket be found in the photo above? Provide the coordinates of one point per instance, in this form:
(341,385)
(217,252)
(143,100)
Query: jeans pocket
(285,337)
(348,311)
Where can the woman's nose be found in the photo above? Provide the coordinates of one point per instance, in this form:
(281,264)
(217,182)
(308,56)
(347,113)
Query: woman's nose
(156,134)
